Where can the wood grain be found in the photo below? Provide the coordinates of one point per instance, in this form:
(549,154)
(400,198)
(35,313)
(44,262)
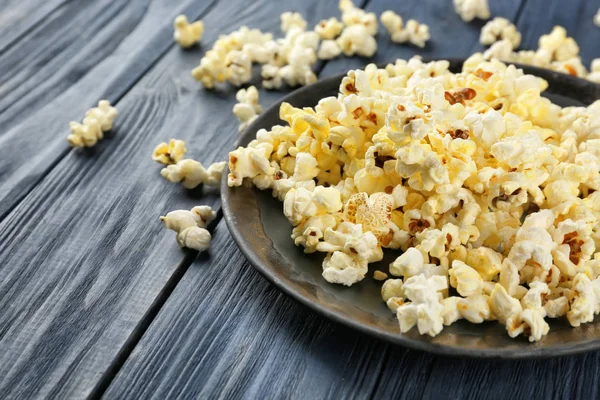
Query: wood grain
(19,17)
(85,257)
(84,51)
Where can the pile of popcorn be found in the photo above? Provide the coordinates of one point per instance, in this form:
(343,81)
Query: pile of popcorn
(488,189)
(290,60)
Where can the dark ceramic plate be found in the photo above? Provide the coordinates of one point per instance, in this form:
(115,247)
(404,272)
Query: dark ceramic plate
(262,232)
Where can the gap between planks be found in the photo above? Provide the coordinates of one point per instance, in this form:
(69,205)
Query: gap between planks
(138,332)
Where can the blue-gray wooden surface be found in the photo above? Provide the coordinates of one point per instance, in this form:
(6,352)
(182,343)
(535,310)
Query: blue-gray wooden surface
(97,300)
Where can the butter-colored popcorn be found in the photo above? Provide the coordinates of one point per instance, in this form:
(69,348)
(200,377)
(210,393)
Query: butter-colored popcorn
(597,18)
(329,29)
(190,226)
(471,9)
(465,279)
(192,173)
(97,121)
(497,29)
(169,153)
(247,108)
(329,49)
(187,34)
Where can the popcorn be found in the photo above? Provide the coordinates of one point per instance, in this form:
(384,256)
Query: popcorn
(190,226)
(352,16)
(97,121)
(187,34)
(247,108)
(409,264)
(192,173)
(392,294)
(425,309)
(470,9)
(355,39)
(170,153)
(231,57)
(503,305)
(597,18)
(329,49)
(291,20)
(500,29)
(594,74)
(475,176)
(413,32)
(465,279)
(329,29)
(500,50)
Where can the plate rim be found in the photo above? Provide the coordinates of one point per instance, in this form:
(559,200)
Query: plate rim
(534,352)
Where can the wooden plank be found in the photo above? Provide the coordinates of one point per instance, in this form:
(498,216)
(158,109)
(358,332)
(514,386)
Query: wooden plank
(85,260)
(84,51)
(19,17)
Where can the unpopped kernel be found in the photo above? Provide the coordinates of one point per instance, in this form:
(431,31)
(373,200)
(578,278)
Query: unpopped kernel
(490,190)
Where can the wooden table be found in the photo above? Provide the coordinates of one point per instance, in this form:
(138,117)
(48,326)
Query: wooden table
(96,299)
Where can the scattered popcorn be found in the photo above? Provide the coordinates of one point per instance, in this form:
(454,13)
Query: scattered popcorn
(247,108)
(415,33)
(169,153)
(187,34)
(192,173)
(471,9)
(483,184)
(97,121)
(355,39)
(498,29)
(190,226)
(329,29)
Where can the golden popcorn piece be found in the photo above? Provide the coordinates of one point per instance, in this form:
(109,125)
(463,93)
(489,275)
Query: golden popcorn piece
(186,34)
(169,153)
